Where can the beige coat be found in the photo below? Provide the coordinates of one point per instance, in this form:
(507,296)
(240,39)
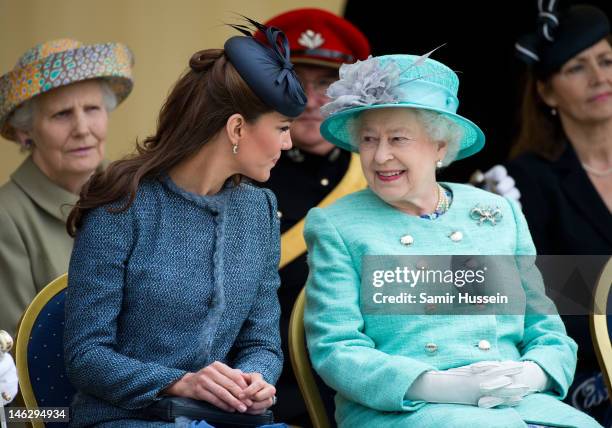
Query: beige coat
(34,245)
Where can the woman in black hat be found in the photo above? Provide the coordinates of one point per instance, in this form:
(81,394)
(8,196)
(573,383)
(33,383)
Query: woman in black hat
(173,277)
(563,167)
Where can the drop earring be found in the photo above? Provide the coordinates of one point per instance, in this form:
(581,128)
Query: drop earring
(553,111)
(439,164)
(235,149)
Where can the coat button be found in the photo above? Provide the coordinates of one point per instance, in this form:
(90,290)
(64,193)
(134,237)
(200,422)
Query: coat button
(431,347)
(407,240)
(456,236)
(324,182)
(484,345)
(279,214)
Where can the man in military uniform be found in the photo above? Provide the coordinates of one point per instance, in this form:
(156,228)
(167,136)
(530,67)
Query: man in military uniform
(315,172)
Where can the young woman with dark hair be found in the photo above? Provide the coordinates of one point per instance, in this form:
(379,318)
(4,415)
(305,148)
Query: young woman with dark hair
(173,276)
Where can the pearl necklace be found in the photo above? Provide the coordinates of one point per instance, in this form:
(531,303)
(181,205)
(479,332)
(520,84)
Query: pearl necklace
(442,205)
(597,172)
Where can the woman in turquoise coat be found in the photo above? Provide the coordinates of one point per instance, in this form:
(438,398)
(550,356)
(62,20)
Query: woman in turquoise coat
(395,369)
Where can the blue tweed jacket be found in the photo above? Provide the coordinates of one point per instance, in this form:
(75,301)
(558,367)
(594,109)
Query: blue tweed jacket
(166,287)
(371,360)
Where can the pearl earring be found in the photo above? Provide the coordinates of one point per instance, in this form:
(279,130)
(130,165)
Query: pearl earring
(553,111)
(439,164)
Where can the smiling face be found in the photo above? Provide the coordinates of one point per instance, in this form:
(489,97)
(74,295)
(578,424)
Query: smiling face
(69,131)
(582,90)
(261,145)
(398,157)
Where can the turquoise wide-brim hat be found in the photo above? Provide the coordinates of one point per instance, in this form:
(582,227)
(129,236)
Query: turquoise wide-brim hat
(395,81)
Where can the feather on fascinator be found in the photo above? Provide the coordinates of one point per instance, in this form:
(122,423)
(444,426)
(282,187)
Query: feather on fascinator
(267,67)
(560,35)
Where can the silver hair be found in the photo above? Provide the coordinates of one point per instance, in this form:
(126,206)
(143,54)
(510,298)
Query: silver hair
(23,117)
(437,126)
(441,128)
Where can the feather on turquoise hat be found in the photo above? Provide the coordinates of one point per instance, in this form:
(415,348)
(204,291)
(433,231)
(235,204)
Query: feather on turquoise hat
(406,81)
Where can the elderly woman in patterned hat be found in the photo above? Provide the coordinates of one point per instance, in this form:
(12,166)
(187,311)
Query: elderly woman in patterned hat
(433,368)
(54,103)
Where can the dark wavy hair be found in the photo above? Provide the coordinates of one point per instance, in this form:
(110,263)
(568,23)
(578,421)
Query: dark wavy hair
(196,109)
(540,131)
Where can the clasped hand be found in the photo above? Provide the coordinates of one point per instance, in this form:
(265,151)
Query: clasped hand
(8,378)
(486,384)
(227,388)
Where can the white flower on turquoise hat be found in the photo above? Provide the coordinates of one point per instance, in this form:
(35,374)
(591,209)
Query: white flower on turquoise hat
(363,83)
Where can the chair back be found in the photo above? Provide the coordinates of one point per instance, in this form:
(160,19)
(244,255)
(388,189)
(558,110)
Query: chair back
(39,351)
(601,323)
(302,367)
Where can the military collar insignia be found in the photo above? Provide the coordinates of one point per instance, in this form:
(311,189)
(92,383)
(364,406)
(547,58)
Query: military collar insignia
(295,155)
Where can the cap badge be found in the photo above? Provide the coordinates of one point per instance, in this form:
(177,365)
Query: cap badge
(310,39)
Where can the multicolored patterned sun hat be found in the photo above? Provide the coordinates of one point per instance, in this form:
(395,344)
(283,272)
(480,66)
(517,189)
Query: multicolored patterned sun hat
(395,81)
(61,62)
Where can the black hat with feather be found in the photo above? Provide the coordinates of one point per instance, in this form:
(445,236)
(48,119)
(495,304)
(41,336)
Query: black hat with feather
(267,68)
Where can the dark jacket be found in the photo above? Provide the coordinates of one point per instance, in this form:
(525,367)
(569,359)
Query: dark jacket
(567,216)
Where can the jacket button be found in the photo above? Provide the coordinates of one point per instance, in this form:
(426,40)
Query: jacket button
(407,240)
(484,345)
(456,236)
(431,347)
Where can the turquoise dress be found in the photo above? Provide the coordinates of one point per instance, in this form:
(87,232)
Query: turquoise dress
(371,360)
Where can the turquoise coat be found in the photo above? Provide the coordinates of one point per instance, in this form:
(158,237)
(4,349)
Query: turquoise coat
(371,360)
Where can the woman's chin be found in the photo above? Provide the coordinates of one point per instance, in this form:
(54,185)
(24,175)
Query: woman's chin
(84,166)
(260,176)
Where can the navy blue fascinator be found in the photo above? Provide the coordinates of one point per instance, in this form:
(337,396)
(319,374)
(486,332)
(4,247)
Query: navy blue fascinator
(267,68)
(561,35)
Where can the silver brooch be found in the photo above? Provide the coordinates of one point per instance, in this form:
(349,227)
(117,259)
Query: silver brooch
(483,214)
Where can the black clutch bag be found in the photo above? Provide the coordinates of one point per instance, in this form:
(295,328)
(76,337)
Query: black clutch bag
(170,408)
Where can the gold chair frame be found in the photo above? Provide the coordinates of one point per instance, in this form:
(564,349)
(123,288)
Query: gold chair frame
(301,365)
(599,324)
(23,338)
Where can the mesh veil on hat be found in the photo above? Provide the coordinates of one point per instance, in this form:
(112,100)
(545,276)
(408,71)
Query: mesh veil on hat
(395,81)
(59,63)
(267,68)
(561,35)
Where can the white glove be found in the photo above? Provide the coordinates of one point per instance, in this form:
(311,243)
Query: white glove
(498,181)
(485,384)
(8,378)
(532,376)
